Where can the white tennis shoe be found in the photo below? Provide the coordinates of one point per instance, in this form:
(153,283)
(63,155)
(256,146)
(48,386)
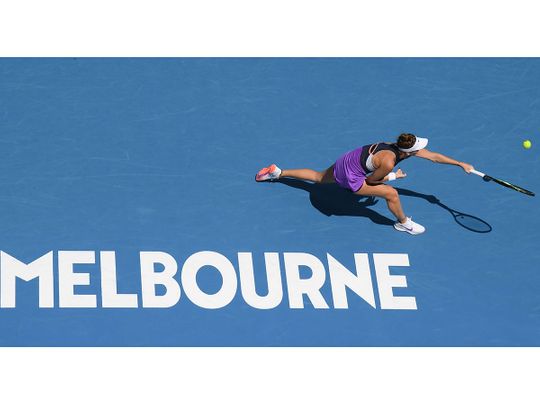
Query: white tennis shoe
(409,226)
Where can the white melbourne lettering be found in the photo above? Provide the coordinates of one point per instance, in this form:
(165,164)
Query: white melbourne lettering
(310,281)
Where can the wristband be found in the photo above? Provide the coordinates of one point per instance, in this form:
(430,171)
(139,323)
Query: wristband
(391,176)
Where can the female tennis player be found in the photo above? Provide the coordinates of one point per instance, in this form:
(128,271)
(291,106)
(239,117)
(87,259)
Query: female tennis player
(365,170)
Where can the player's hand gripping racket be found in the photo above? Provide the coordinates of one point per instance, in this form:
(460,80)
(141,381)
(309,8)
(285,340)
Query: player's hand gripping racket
(503,183)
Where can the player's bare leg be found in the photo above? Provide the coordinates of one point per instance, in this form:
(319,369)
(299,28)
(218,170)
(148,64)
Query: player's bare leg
(390,194)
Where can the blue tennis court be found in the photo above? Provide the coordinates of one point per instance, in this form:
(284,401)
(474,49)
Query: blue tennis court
(159,155)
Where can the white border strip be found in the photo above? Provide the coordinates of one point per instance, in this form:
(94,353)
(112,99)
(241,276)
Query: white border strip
(269,376)
(268,28)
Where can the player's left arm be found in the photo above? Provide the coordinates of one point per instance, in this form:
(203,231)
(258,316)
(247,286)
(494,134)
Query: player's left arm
(440,158)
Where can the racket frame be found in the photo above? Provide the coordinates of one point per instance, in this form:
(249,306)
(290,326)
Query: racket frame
(503,183)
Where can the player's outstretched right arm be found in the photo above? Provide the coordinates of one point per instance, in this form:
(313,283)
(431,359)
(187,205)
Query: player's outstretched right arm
(440,158)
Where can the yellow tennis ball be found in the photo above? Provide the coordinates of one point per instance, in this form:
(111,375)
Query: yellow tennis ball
(527,144)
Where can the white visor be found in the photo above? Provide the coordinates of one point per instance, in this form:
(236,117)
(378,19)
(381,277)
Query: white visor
(420,143)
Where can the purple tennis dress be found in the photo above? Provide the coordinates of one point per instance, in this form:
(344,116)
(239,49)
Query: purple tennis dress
(348,171)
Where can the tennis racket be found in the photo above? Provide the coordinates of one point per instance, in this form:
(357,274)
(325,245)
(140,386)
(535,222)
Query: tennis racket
(503,183)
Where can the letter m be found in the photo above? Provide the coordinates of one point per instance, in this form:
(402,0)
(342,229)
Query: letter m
(11,269)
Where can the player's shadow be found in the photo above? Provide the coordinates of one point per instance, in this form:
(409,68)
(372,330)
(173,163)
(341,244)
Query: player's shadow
(330,199)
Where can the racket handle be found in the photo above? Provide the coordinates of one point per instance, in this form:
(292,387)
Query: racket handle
(478,173)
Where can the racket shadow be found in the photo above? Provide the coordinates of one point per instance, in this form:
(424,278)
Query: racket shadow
(467,221)
(330,199)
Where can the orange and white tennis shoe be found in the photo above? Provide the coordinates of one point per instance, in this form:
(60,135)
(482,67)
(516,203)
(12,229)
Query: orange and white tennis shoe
(271,173)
